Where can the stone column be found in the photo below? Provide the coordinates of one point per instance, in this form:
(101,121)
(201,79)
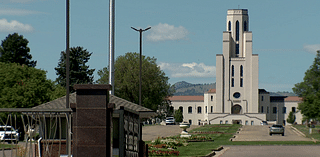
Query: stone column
(90,127)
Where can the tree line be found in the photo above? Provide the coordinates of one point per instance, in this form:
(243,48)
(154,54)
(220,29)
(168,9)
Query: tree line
(23,85)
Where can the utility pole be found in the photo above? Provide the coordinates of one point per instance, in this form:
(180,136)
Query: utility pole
(111,44)
(68,77)
(140,31)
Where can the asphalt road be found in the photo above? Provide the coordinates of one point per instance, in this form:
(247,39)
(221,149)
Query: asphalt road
(261,133)
(270,151)
(150,133)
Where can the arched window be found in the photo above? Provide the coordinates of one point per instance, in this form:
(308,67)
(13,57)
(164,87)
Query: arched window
(189,109)
(211,109)
(237,50)
(232,82)
(241,82)
(237,31)
(245,26)
(199,109)
(229,26)
(232,70)
(206,109)
(241,70)
(181,109)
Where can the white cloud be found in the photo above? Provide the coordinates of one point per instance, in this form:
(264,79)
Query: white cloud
(14,26)
(162,32)
(312,48)
(177,70)
(18,12)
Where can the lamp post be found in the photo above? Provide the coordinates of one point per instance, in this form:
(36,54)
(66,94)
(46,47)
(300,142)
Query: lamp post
(140,31)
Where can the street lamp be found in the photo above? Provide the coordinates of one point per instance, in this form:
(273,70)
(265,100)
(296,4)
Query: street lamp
(140,31)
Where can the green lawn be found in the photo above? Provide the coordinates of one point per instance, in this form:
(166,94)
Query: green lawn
(222,136)
(315,131)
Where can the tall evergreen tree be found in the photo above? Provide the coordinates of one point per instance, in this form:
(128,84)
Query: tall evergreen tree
(309,90)
(291,118)
(14,49)
(79,71)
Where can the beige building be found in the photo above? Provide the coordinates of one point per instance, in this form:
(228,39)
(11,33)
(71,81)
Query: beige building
(236,98)
(291,104)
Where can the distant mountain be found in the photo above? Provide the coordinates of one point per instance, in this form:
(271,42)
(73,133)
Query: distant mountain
(185,88)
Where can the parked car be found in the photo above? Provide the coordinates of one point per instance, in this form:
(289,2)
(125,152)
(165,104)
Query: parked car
(264,123)
(9,134)
(170,121)
(276,129)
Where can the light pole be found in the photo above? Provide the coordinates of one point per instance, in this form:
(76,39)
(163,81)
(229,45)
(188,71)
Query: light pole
(140,31)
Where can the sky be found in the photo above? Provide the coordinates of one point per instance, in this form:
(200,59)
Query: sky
(185,35)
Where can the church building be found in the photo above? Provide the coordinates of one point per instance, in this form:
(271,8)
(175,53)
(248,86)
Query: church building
(237,98)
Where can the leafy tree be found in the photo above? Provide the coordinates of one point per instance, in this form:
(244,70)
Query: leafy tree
(25,87)
(291,118)
(14,49)
(309,90)
(155,86)
(79,71)
(178,116)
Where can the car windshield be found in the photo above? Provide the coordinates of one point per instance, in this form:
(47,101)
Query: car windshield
(278,126)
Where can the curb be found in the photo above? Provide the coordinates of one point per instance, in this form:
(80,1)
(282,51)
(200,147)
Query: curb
(298,131)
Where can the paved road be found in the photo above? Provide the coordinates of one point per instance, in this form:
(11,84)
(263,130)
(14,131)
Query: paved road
(270,151)
(261,133)
(153,132)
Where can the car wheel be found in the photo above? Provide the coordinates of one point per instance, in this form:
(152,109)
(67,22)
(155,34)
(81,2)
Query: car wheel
(15,142)
(270,134)
(282,134)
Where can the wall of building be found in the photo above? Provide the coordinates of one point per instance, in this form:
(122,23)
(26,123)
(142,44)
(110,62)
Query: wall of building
(276,112)
(244,119)
(194,116)
(289,107)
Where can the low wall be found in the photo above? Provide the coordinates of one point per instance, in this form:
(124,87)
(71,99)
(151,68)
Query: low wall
(244,119)
(50,148)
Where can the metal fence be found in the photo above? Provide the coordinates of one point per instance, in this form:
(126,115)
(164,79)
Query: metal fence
(36,133)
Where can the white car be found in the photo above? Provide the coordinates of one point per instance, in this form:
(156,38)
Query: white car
(170,121)
(9,134)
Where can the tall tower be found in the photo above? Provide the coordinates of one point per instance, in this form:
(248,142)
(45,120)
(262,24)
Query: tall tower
(237,68)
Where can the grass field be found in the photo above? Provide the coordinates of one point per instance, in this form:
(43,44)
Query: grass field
(315,131)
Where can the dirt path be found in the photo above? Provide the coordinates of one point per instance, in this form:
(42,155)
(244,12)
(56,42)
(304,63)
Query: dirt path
(150,133)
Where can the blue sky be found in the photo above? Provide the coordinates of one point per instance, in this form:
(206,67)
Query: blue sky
(185,36)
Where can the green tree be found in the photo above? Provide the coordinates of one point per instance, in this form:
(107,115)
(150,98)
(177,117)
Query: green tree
(14,49)
(178,115)
(25,87)
(155,86)
(291,118)
(309,90)
(79,71)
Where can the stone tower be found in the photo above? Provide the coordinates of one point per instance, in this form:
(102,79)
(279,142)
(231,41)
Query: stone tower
(237,68)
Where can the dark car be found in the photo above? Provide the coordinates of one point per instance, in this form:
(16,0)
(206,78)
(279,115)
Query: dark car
(276,129)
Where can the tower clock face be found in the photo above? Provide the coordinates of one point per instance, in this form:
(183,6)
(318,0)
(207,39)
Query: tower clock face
(236,95)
